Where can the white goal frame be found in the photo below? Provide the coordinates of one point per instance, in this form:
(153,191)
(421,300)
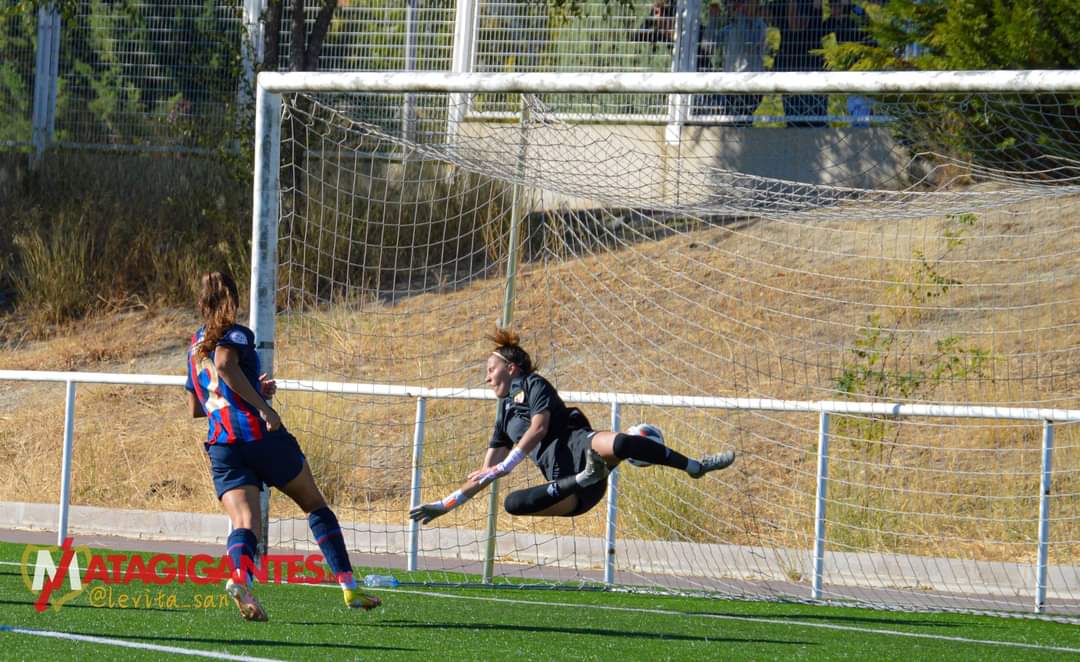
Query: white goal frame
(271,86)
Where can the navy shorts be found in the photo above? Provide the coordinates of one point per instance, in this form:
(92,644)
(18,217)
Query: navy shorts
(274,460)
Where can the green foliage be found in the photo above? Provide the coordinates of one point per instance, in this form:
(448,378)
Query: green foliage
(128,85)
(569,8)
(881,366)
(68,8)
(15,105)
(1035,132)
(971,34)
(889,362)
(16,75)
(1020,34)
(885,364)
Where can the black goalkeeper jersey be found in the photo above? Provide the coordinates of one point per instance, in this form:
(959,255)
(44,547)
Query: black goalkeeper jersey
(531,395)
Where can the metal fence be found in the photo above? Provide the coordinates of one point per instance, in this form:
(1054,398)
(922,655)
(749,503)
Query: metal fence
(171,74)
(18,45)
(147,73)
(378,35)
(1047,417)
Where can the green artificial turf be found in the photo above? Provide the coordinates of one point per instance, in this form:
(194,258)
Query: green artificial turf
(422,623)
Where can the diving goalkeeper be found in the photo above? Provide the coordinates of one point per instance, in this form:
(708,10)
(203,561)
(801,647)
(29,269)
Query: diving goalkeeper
(532,421)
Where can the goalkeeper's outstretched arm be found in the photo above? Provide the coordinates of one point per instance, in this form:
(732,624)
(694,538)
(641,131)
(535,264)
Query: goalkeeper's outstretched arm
(497,462)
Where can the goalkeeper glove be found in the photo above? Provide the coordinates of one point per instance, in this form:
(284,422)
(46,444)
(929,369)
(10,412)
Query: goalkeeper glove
(426,512)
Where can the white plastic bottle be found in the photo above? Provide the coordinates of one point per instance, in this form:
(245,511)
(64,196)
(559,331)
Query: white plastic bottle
(380,581)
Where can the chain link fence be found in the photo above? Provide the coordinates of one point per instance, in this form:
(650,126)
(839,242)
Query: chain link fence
(18,42)
(150,75)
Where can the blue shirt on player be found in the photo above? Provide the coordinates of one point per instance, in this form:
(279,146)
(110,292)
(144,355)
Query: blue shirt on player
(231,418)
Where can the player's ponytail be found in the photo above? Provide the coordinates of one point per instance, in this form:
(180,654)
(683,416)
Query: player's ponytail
(218,302)
(508,349)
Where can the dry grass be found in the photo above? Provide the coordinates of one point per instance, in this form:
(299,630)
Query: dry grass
(763,309)
(93,232)
(134,446)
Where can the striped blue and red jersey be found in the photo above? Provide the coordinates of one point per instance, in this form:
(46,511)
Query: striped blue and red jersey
(231,418)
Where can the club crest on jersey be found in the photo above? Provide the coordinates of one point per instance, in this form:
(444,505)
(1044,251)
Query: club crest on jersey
(518,397)
(238,337)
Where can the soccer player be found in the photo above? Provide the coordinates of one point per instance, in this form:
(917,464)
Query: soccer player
(249,446)
(532,421)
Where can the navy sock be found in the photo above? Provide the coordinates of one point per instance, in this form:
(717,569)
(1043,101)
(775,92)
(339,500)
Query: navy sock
(327,532)
(240,546)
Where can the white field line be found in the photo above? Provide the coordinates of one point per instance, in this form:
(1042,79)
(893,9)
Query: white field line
(723,617)
(748,619)
(123,643)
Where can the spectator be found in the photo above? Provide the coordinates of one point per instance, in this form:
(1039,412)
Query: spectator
(659,25)
(742,49)
(711,29)
(847,21)
(802,27)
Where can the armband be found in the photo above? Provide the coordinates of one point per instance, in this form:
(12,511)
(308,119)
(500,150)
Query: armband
(512,460)
(454,500)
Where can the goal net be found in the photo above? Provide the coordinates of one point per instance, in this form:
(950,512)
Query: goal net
(876,310)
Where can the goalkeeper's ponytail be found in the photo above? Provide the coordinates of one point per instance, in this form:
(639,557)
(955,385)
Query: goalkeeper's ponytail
(508,349)
(218,302)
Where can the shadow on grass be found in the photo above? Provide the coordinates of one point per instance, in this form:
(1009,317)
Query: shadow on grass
(601,632)
(29,602)
(878,620)
(238,641)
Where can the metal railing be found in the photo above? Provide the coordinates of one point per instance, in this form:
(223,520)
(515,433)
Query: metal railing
(152,76)
(823,408)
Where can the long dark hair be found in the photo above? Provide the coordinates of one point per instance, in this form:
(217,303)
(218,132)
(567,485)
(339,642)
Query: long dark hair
(218,302)
(508,349)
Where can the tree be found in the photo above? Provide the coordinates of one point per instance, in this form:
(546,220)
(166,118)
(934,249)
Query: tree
(304,48)
(1042,132)
(16,67)
(965,34)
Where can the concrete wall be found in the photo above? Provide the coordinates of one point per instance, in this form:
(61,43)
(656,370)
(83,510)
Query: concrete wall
(592,165)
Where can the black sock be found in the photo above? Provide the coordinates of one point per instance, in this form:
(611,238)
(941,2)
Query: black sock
(532,500)
(634,447)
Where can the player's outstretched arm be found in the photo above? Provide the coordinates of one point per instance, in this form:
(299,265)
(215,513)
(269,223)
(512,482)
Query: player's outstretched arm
(426,512)
(497,463)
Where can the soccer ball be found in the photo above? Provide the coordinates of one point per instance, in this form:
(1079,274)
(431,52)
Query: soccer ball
(649,432)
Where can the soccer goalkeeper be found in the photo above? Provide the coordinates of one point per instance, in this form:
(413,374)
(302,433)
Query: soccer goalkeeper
(532,421)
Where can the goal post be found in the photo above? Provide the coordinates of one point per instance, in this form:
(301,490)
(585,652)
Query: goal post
(875,312)
(881,82)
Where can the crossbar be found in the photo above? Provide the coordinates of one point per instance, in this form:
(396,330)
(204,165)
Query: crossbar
(768,82)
